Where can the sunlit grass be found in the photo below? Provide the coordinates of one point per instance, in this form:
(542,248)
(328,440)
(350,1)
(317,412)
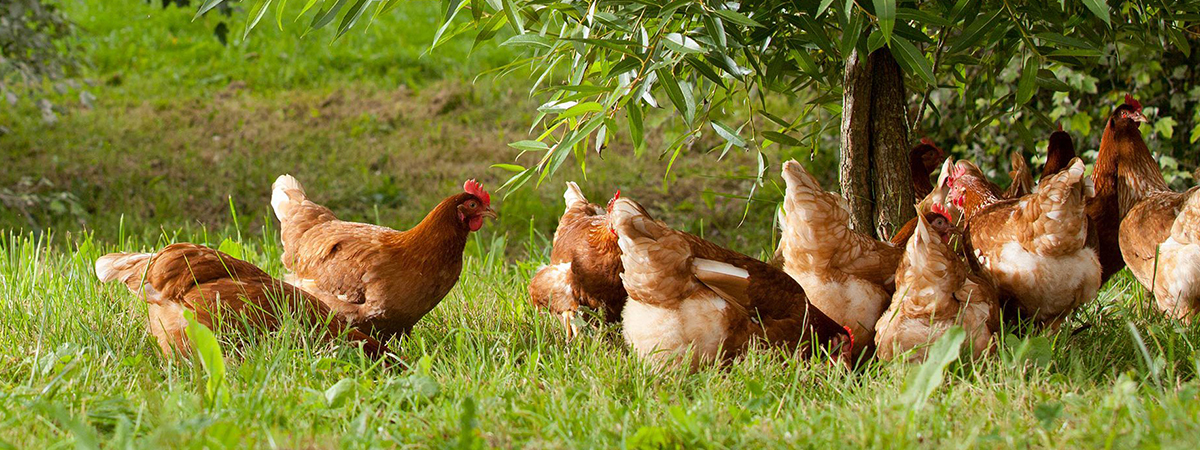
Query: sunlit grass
(486,368)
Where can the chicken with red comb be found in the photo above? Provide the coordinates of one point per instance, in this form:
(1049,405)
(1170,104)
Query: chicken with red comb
(1160,229)
(379,279)
(585,265)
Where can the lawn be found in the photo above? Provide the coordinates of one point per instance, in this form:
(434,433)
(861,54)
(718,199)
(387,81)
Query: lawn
(183,141)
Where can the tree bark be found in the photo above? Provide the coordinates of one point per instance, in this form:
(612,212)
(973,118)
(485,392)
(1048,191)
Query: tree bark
(855,167)
(874,174)
(890,169)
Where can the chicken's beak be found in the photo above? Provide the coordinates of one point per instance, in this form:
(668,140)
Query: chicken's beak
(489,212)
(1139,117)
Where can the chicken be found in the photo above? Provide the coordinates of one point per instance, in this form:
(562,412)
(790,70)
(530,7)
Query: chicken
(1059,153)
(937,196)
(974,190)
(846,274)
(934,292)
(222,291)
(1022,179)
(1159,234)
(1033,247)
(382,280)
(585,264)
(689,295)
(1104,210)
(922,159)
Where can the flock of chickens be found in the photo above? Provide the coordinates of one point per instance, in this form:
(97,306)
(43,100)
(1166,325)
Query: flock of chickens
(974,254)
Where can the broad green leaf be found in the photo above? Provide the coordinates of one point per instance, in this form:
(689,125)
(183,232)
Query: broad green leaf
(581,108)
(324,17)
(737,17)
(232,248)
(514,17)
(528,40)
(337,394)
(728,134)
(924,379)
(682,44)
(207,6)
(529,146)
(351,17)
(307,6)
(633,113)
(705,70)
(518,180)
(915,58)
(279,13)
(1100,9)
(822,7)
(975,31)
(204,344)
(716,31)
(885,12)
(1027,85)
(450,13)
(782,138)
(675,93)
(256,14)
(509,167)
(921,17)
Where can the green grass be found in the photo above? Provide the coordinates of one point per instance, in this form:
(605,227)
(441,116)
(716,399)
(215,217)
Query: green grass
(488,370)
(183,129)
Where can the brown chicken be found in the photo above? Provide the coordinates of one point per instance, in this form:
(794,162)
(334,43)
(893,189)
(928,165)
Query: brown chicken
(848,275)
(922,159)
(935,198)
(381,280)
(585,265)
(934,292)
(222,291)
(1160,229)
(1034,247)
(1022,178)
(1059,152)
(689,295)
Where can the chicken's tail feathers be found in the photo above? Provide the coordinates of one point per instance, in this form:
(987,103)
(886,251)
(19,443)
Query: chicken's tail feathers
(795,175)
(286,195)
(1061,187)
(573,195)
(1186,228)
(128,268)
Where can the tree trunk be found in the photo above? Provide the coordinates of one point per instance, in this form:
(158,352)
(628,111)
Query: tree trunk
(890,169)
(875,177)
(855,173)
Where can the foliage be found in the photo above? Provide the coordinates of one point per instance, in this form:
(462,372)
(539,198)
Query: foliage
(970,64)
(716,63)
(32,49)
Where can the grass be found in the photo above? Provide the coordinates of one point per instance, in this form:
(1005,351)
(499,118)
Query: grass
(79,369)
(184,129)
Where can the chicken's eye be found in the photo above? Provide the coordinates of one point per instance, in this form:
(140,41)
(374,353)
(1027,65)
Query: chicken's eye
(471,204)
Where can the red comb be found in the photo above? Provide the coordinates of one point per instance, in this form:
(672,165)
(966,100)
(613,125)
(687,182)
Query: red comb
(927,141)
(1129,100)
(474,188)
(851,334)
(940,209)
(617,195)
(1060,126)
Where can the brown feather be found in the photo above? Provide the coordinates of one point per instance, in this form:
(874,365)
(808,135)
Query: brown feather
(379,279)
(671,274)
(222,291)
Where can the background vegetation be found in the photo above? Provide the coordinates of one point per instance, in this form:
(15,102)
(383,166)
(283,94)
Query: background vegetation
(180,136)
